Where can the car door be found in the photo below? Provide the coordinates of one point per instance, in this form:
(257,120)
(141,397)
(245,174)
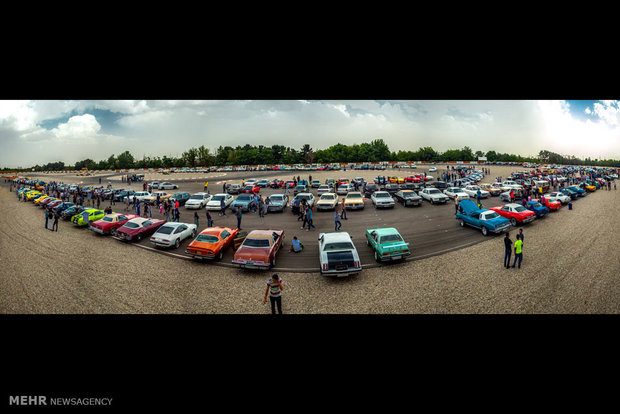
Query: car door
(181,232)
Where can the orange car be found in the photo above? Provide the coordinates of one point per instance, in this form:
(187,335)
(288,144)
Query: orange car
(211,243)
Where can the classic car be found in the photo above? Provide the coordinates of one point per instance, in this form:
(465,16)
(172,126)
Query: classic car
(86,216)
(433,195)
(551,203)
(580,191)
(408,198)
(43,200)
(250,189)
(440,185)
(258,250)
(382,199)
(62,207)
(494,191)
(152,199)
(154,185)
(387,244)
(369,189)
(512,184)
(309,197)
(215,203)
(198,200)
(432,169)
(505,196)
(456,192)
(138,195)
(122,195)
(263,183)
(537,208)
(328,201)
(516,213)
(32,194)
(569,193)
(172,234)
(276,183)
(396,180)
(234,188)
(324,188)
(72,211)
(484,219)
(138,228)
(243,201)
(168,186)
(413,179)
(354,201)
(300,188)
(392,188)
(53,204)
(289,184)
(211,243)
(501,187)
(315,183)
(344,189)
(472,190)
(110,222)
(277,202)
(338,255)
(182,198)
(342,181)
(588,186)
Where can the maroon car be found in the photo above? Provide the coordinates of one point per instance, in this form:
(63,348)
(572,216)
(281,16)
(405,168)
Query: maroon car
(276,183)
(138,228)
(110,222)
(47,200)
(53,204)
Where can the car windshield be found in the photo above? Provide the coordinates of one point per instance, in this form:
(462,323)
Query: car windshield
(458,190)
(305,196)
(166,229)
(380,195)
(197,197)
(256,242)
(390,238)
(491,216)
(536,205)
(434,191)
(132,225)
(108,219)
(520,209)
(207,238)
(409,194)
(338,246)
(276,198)
(354,195)
(217,198)
(244,197)
(327,197)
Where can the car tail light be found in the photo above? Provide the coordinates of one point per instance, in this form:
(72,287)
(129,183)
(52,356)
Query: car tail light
(385,253)
(356,264)
(325,266)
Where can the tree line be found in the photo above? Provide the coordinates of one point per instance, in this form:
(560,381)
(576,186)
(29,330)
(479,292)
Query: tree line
(373,151)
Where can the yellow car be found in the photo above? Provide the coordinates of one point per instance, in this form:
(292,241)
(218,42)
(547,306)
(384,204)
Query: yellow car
(31,194)
(43,197)
(590,188)
(354,201)
(396,180)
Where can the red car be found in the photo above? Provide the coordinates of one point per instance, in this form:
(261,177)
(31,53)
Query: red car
(258,250)
(553,205)
(211,243)
(250,189)
(412,179)
(516,213)
(53,204)
(422,177)
(138,228)
(276,183)
(110,222)
(290,184)
(47,200)
(343,181)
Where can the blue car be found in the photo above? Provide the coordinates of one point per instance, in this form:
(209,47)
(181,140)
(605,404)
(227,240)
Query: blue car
(484,219)
(244,201)
(537,208)
(580,191)
(571,193)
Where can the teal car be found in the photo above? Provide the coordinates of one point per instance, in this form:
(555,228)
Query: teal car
(387,243)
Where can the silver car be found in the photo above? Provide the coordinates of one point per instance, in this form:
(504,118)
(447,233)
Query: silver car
(277,202)
(172,234)
(433,195)
(382,199)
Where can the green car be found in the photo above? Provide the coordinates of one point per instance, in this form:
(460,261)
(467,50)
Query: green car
(387,243)
(93,215)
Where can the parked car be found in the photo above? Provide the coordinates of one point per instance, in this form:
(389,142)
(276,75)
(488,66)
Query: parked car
(343,189)
(494,191)
(569,193)
(152,199)
(172,234)
(244,201)
(328,201)
(440,185)
(387,244)
(433,195)
(277,202)
(72,211)
(338,255)
(550,203)
(250,189)
(259,249)
(211,243)
(85,217)
(234,188)
(484,219)
(182,198)
(123,194)
(537,208)
(110,222)
(324,188)
(139,195)
(277,183)
(315,183)
(215,202)
(369,189)
(408,198)
(309,197)
(138,228)
(516,213)
(382,199)
(456,192)
(392,188)
(264,183)
(168,186)
(580,191)
(154,185)
(354,201)
(198,200)
(472,190)
(62,207)
(506,195)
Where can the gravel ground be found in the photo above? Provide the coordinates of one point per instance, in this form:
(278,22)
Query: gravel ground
(570,265)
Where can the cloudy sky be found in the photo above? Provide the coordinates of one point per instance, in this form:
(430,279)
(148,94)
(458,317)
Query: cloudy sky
(38,132)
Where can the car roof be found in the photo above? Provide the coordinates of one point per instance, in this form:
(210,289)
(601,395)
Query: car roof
(334,237)
(216,230)
(383,231)
(262,234)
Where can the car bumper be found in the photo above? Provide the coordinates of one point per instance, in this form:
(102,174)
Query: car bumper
(275,208)
(528,219)
(96,230)
(325,207)
(341,273)
(393,257)
(246,265)
(384,205)
(440,201)
(354,207)
(413,203)
(200,255)
(192,206)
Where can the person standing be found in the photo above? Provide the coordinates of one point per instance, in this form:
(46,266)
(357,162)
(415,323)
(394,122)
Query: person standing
(343,214)
(196,218)
(518,252)
(224,187)
(55,225)
(274,290)
(222,207)
(512,196)
(337,222)
(478,195)
(456,205)
(47,215)
(520,235)
(508,250)
(209,219)
(239,215)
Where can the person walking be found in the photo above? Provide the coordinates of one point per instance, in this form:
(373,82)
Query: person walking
(261,207)
(196,219)
(167,208)
(55,224)
(456,205)
(518,252)
(337,222)
(512,196)
(206,187)
(309,218)
(508,250)
(222,207)
(239,214)
(343,214)
(274,290)
(478,195)
(224,187)
(209,219)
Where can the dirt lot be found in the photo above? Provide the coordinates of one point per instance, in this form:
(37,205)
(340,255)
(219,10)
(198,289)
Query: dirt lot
(570,266)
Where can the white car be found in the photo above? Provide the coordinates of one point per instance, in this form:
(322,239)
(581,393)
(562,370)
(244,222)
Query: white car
(140,196)
(168,186)
(323,189)
(172,234)
(382,199)
(345,188)
(432,169)
(308,196)
(154,185)
(433,195)
(198,201)
(250,181)
(561,197)
(328,201)
(512,184)
(338,255)
(457,192)
(472,190)
(215,202)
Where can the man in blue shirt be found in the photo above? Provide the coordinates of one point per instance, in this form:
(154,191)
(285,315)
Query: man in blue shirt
(296,245)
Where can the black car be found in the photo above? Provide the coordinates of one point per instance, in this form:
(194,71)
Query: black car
(408,198)
(380,180)
(370,188)
(392,188)
(180,197)
(412,186)
(120,196)
(441,185)
(72,211)
(62,207)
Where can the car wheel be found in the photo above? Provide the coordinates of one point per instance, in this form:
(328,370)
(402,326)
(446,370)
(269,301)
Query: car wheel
(377,257)
(193,233)
(484,231)
(273,262)
(139,237)
(432,201)
(513,221)
(462,223)
(367,242)
(177,243)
